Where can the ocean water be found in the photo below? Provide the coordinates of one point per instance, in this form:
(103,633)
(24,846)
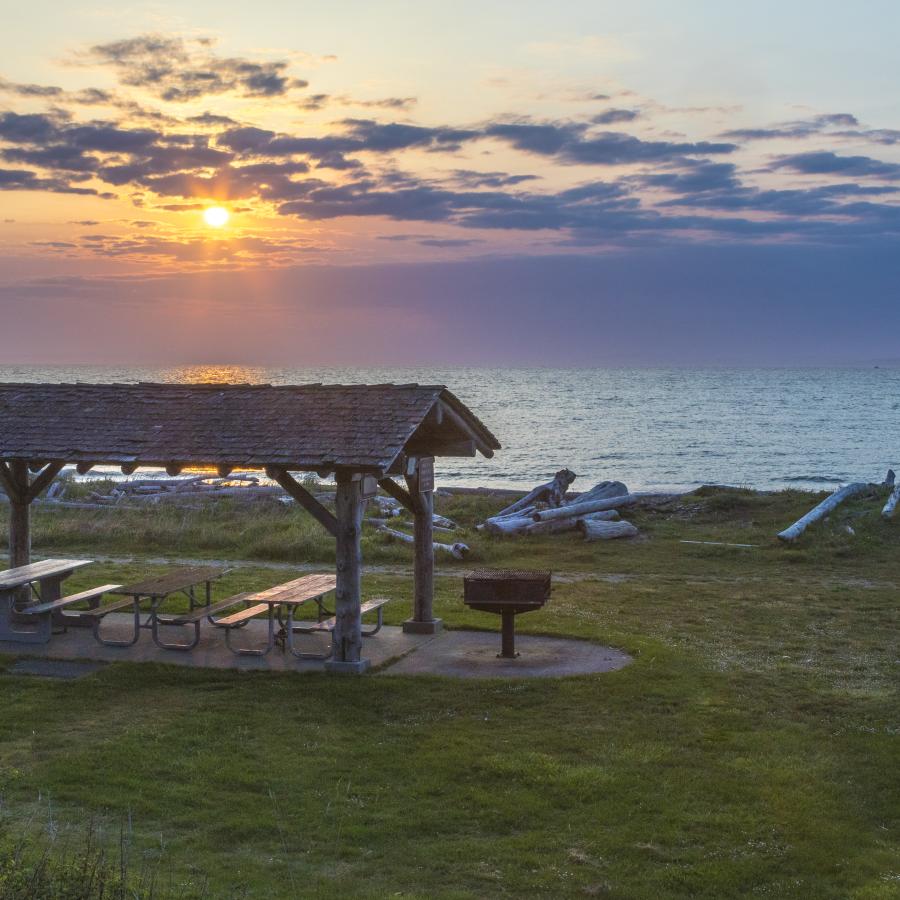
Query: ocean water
(651,428)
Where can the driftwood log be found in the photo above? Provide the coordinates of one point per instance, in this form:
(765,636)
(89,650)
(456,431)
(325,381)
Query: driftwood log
(458,550)
(598,530)
(891,506)
(576,509)
(602,491)
(553,493)
(527,525)
(822,510)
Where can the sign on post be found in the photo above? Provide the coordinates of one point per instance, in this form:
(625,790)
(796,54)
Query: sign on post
(426,473)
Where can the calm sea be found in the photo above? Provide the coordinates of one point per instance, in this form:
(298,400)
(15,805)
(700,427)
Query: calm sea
(651,428)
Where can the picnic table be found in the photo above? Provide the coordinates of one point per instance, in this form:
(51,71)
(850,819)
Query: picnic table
(157,591)
(44,579)
(281,603)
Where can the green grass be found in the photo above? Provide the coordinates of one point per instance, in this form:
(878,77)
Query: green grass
(750,749)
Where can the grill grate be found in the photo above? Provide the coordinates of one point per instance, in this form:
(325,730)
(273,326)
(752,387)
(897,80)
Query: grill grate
(541,575)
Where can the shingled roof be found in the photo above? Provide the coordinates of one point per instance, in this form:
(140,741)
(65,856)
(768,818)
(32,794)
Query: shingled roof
(303,427)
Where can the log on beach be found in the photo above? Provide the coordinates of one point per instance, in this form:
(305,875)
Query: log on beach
(822,510)
(552,493)
(554,526)
(891,506)
(598,530)
(576,509)
(527,525)
(602,491)
(458,550)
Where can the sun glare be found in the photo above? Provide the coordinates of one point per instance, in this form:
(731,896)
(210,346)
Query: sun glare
(215,216)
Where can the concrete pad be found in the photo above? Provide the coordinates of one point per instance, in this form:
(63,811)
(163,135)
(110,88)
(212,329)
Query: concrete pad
(457,654)
(473,654)
(211,652)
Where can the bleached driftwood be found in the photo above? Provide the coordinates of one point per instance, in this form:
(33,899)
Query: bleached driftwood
(598,530)
(601,491)
(518,514)
(557,525)
(577,509)
(891,506)
(458,550)
(552,493)
(822,510)
(506,524)
(527,525)
(443,522)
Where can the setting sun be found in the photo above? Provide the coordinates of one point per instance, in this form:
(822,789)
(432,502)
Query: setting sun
(216,216)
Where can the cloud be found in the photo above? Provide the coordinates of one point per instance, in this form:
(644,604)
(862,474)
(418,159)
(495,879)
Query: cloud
(320,101)
(613,116)
(801,128)
(200,250)
(826,162)
(471,179)
(211,119)
(449,242)
(24,180)
(175,69)
(29,90)
(572,143)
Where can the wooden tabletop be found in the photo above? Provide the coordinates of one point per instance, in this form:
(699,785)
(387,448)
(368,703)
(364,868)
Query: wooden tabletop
(296,592)
(176,580)
(46,568)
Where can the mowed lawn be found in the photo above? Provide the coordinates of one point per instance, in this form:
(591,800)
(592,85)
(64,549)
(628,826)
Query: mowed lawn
(750,749)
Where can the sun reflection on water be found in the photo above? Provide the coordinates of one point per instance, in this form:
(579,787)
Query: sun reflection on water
(214,374)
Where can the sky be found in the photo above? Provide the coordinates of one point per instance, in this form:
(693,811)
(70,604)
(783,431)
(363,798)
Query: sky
(567,184)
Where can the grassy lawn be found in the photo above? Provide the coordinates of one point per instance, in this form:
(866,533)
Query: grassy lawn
(750,749)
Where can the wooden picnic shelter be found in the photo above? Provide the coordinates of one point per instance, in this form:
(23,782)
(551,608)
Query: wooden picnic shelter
(364,436)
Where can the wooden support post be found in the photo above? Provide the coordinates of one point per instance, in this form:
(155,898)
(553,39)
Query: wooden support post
(16,482)
(420,483)
(19,515)
(347,634)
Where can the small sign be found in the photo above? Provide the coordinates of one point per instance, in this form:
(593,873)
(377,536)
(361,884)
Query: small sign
(369,487)
(426,473)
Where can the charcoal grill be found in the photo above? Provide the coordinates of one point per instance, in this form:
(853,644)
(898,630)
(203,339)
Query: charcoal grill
(507,593)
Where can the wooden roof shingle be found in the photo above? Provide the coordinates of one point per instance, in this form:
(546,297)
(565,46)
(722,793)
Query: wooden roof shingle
(305,427)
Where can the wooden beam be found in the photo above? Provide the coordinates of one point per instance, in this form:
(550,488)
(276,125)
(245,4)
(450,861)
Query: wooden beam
(466,429)
(304,498)
(421,446)
(42,481)
(84,467)
(435,414)
(223,471)
(128,468)
(390,487)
